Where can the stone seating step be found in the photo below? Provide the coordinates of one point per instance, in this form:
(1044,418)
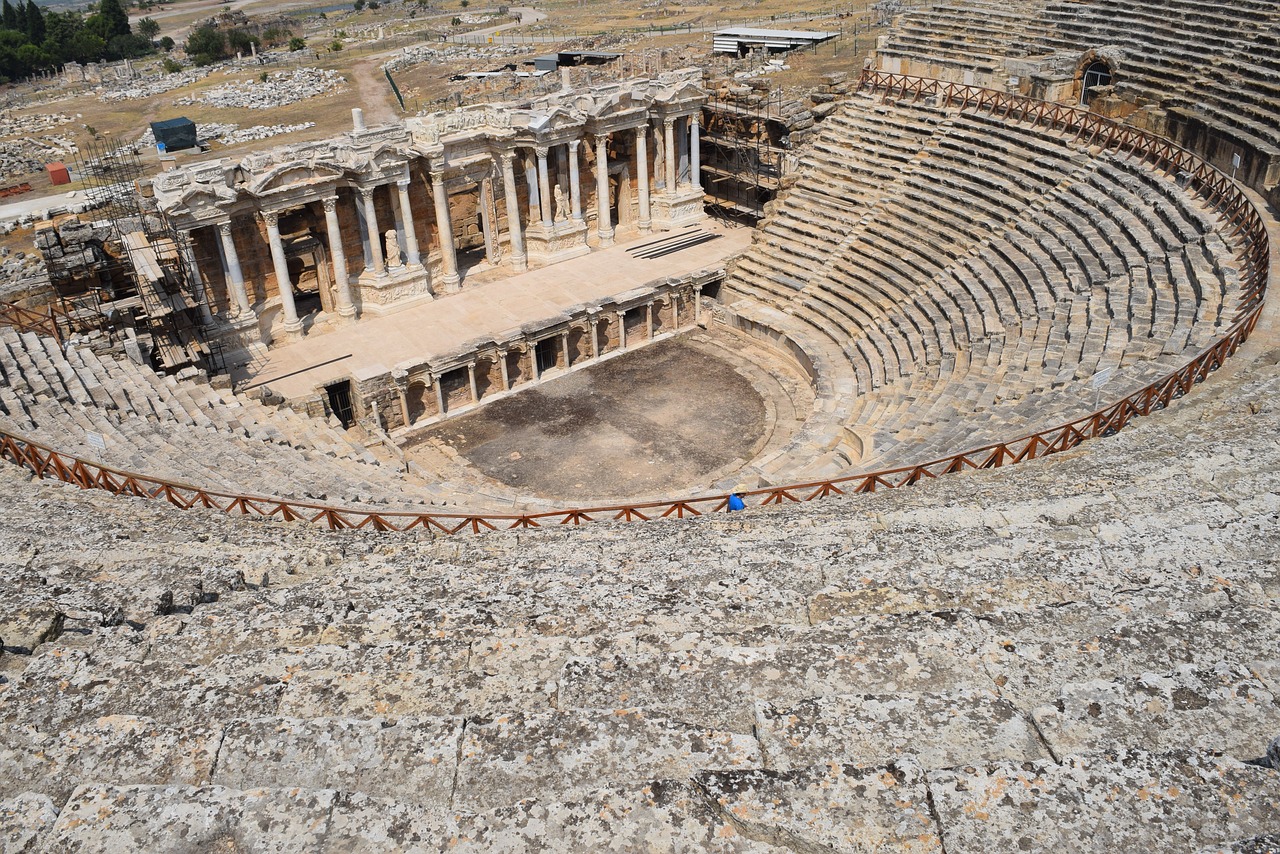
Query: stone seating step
(1219,708)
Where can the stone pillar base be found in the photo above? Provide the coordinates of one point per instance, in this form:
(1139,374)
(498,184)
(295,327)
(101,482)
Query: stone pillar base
(236,333)
(563,241)
(400,287)
(682,208)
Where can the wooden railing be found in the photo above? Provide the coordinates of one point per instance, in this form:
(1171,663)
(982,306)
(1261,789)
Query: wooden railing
(1199,177)
(29,320)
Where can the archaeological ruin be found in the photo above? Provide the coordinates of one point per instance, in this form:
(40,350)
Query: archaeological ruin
(372,493)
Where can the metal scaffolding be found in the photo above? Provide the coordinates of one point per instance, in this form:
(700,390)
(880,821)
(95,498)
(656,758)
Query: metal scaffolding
(146,284)
(744,151)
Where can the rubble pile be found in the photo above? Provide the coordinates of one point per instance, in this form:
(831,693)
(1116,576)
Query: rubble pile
(20,272)
(154,86)
(30,154)
(12,125)
(418,54)
(232,134)
(280,88)
(252,134)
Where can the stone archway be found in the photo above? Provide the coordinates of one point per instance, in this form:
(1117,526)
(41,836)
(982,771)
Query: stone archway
(1093,72)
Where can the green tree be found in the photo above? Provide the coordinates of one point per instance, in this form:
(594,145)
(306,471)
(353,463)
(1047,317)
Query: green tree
(109,21)
(148,28)
(35,23)
(239,41)
(8,16)
(358,5)
(206,46)
(297,43)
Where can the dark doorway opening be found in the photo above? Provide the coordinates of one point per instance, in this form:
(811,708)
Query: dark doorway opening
(1097,74)
(548,351)
(340,402)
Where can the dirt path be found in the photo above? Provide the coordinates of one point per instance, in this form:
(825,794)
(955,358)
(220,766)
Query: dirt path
(377,100)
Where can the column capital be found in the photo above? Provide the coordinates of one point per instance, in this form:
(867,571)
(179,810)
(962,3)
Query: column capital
(271,218)
(508,158)
(541,151)
(669,122)
(330,204)
(366,193)
(601,138)
(437,175)
(402,183)
(573,145)
(224,228)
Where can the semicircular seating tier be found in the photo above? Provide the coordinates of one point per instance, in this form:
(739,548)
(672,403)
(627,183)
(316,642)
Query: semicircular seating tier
(958,280)
(128,417)
(1212,69)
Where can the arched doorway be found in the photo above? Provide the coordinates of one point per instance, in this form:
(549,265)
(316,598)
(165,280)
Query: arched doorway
(1096,73)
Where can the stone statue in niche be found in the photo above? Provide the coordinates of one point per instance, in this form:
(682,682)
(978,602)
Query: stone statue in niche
(391,245)
(559,213)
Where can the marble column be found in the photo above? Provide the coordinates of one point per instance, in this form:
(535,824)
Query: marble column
(375,236)
(669,140)
(235,276)
(604,224)
(411,247)
(622,330)
(593,322)
(471,377)
(506,372)
(642,176)
(290,311)
(444,228)
(435,381)
(487,226)
(519,258)
(337,256)
(575,189)
(544,189)
(695,153)
(564,348)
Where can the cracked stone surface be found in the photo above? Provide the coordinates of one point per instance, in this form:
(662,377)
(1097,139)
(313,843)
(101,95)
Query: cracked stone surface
(564,754)
(24,821)
(830,807)
(408,760)
(940,730)
(1134,801)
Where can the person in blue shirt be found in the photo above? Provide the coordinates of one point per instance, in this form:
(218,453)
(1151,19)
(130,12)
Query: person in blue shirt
(735,502)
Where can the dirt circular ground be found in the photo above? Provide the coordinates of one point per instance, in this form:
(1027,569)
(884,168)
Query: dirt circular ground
(661,419)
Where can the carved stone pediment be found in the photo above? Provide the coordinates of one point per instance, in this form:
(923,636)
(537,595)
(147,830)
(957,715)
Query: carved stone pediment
(197,201)
(681,92)
(297,174)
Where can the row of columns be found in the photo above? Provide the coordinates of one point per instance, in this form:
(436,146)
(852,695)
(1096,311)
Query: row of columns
(375,259)
(540,207)
(540,197)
